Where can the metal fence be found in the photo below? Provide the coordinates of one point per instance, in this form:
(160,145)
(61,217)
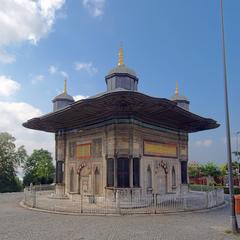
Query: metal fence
(42,197)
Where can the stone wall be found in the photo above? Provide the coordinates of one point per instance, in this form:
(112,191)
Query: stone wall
(87,174)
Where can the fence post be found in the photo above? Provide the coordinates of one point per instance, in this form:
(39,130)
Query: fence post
(34,193)
(155,202)
(25,196)
(184,202)
(81,203)
(118,202)
(216,195)
(207,199)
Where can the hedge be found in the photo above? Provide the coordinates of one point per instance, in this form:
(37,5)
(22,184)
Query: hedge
(236,190)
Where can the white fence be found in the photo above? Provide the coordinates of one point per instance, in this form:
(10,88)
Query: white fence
(119,204)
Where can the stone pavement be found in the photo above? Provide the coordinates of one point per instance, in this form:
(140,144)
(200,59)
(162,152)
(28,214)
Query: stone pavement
(17,223)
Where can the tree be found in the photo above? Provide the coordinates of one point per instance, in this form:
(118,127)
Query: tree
(39,168)
(236,154)
(10,159)
(194,169)
(235,168)
(210,169)
(223,169)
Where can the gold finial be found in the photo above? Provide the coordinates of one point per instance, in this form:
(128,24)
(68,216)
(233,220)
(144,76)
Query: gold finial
(176,90)
(120,61)
(65,87)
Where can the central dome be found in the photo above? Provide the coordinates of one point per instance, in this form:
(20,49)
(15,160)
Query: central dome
(122,69)
(121,76)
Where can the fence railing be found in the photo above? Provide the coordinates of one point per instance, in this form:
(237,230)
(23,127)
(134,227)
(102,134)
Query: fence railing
(43,198)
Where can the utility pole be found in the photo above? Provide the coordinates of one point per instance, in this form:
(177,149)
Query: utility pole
(229,152)
(237,151)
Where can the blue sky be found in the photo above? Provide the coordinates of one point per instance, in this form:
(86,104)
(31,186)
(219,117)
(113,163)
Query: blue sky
(164,41)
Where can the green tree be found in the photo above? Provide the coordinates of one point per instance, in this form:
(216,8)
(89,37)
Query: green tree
(210,169)
(236,154)
(194,169)
(224,168)
(39,168)
(10,159)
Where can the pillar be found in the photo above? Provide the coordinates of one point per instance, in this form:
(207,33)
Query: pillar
(131,172)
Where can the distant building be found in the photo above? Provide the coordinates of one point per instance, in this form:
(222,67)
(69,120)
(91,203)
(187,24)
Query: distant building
(121,139)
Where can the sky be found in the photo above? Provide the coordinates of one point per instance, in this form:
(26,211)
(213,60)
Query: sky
(45,41)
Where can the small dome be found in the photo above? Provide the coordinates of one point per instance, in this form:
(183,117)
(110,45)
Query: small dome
(63,96)
(177,97)
(122,69)
(62,100)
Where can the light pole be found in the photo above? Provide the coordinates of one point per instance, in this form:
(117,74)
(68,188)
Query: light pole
(229,152)
(237,133)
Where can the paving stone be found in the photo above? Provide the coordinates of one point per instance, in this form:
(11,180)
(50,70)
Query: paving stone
(17,223)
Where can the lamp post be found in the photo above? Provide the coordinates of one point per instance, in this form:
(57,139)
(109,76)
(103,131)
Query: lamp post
(229,152)
(237,133)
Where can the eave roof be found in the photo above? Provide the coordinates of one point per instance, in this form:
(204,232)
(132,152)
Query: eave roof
(119,105)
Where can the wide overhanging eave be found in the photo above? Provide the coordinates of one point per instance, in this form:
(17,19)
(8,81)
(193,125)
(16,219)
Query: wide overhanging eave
(124,104)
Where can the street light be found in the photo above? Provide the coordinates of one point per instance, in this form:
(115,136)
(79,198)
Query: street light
(237,154)
(229,152)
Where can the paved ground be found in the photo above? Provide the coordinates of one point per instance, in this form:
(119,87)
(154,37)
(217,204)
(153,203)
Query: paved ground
(17,223)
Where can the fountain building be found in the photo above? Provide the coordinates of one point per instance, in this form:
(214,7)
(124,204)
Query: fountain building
(121,139)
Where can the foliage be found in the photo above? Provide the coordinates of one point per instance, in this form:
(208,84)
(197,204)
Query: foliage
(202,188)
(194,169)
(39,168)
(236,190)
(10,159)
(203,170)
(210,169)
(236,153)
(224,168)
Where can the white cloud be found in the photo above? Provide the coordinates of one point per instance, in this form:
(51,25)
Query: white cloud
(37,79)
(6,57)
(204,143)
(95,7)
(25,20)
(52,69)
(8,86)
(79,97)
(64,74)
(13,114)
(88,67)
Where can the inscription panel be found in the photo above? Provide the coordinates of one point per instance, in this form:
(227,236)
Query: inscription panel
(158,149)
(83,151)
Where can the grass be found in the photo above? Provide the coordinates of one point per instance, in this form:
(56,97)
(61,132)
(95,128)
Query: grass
(202,188)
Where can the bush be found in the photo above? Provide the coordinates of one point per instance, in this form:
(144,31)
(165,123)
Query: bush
(202,188)
(12,185)
(236,190)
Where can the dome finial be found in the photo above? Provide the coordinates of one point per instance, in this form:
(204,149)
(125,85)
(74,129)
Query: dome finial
(120,61)
(65,87)
(177,89)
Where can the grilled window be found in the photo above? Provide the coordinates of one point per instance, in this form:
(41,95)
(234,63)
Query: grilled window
(110,172)
(123,172)
(136,172)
